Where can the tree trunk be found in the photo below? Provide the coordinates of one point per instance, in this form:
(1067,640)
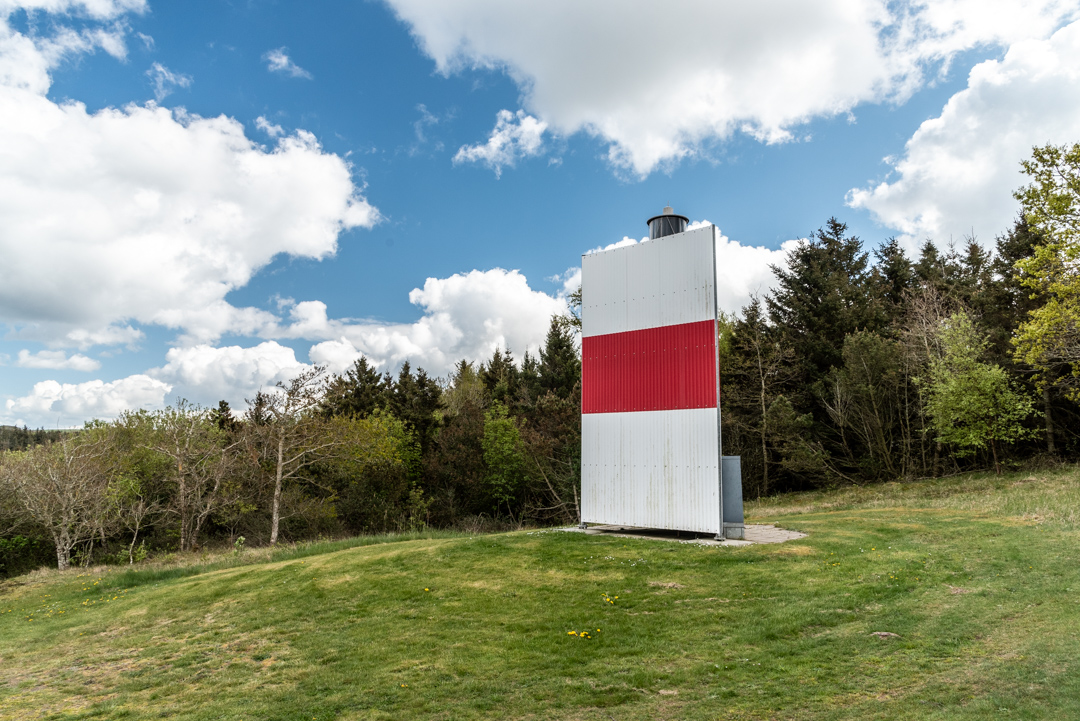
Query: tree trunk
(131,548)
(275,518)
(185,510)
(993,449)
(185,541)
(1050,447)
(764,434)
(63,556)
(577,508)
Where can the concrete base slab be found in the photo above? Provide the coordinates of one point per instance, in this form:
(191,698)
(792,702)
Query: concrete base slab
(768,533)
(765,533)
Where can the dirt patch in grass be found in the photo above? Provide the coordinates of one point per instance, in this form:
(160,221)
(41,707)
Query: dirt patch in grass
(790,550)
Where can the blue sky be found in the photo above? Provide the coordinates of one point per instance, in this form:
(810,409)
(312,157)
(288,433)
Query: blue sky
(202,197)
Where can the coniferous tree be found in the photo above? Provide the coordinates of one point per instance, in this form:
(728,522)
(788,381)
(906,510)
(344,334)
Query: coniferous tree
(454,465)
(894,276)
(223,418)
(822,295)
(930,268)
(500,376)
(560,364)
(529,384)
(357,392)
(415,399)
(756,369)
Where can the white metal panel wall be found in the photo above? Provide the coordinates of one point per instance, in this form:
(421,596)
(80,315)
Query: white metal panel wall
(655,469)
(666,281)
(651,469)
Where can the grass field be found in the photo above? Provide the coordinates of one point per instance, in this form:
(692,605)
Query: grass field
(978,576)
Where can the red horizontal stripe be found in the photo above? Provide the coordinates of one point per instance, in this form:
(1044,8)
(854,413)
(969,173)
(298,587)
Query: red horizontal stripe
(656,369)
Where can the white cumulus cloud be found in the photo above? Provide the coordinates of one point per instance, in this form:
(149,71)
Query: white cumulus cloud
(744,270)
(145,215)
(958,170)
(277,61)
(661,81)
(516,135)
(337,355)
(56,360)
(467,315)
(64,405)
(207,374)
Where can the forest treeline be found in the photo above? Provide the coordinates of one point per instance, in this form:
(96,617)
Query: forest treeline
(494,445)
(858,367)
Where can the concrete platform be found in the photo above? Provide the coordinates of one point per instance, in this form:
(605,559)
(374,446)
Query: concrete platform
(765,533)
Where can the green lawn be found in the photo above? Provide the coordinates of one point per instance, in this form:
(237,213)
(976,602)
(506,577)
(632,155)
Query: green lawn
(978,576)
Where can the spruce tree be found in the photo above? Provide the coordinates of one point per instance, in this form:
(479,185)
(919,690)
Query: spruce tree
(414,399)
(500,376)
(1008,302)
(358,392)
(560,364)
(222,417)
(755,368)
(530,376)
(930,267)
(894,276)
(822,295)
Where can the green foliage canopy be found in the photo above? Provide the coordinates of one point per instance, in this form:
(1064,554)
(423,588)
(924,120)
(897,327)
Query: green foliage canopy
(973,405)
(502,454)
(1051,205)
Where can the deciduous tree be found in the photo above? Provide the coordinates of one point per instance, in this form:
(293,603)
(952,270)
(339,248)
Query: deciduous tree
(63,486)
(1050,338)
(288,435)
(502,455)
(201,461)
(972,404)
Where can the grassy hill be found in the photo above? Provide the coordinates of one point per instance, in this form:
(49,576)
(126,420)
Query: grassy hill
(978,576)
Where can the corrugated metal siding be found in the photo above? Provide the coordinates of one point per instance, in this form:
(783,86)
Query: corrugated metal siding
(656,369)
(650,467)
(654,469)
(667,281)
